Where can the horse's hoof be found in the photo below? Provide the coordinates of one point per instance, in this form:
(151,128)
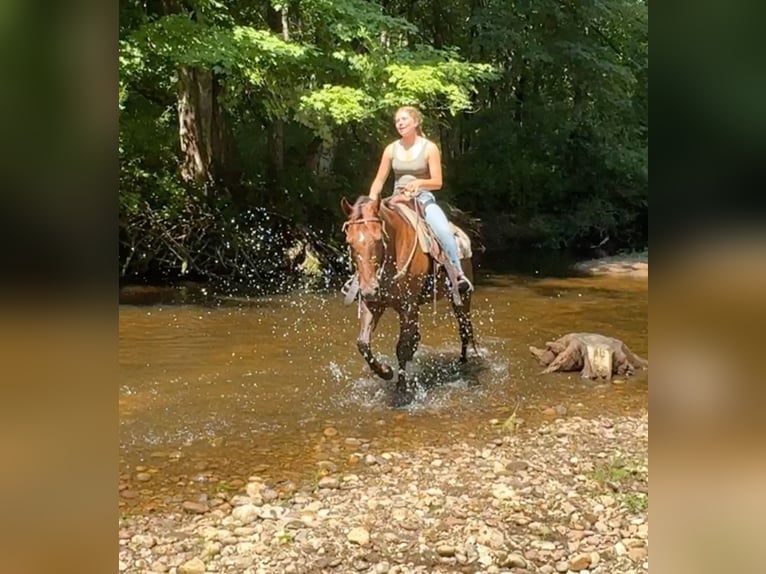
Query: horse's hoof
(386,373)
(402,398)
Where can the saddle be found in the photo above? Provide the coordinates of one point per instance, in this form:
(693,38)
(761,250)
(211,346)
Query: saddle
(426,238)
(429,243)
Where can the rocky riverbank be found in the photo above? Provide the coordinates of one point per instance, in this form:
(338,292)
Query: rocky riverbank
(568,496)
(629,264)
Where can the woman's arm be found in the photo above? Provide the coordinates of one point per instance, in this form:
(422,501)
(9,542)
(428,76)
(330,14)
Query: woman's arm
(383,169)
(434,168)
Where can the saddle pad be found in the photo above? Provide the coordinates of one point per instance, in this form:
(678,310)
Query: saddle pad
(424,232)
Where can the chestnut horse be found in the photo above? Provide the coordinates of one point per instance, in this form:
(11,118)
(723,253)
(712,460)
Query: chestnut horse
(393,272)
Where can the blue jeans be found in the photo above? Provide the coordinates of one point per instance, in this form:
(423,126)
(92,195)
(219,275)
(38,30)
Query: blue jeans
(438,223)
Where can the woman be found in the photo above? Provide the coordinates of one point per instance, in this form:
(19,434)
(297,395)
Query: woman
(416,162)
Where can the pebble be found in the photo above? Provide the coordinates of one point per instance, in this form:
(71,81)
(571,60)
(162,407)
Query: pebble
(359,536)
(245,514)
(328,482)
(637,554)
(522,505)
(195,507)
(579,562)
(514,561)
(193,566)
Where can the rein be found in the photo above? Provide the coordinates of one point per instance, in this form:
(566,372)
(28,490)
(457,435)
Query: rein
(406,266)
(399,274)
(365,220)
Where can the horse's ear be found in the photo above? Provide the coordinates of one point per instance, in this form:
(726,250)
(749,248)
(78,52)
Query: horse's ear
(345,206)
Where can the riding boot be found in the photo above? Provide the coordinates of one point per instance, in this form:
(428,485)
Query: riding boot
(459,283)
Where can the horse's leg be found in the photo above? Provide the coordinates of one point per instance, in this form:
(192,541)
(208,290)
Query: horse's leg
(465,326)
(409,338)
(369,320)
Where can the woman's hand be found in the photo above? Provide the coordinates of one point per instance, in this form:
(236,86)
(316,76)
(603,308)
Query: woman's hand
(411,188)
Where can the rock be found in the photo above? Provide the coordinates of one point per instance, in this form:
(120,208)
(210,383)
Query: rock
(514,561)
(328,482)
(517,465)
(327,466)
(246,513)
(253,489)
(240,500)
(502,492)
(637,554)
(485,556)
(369,460)
(143,540)
(193,566)
(330,432)
(579,562)
(595,558)
(195,507)
(531,554)
(562,566)
(143,477)
(359,536)
(445,550)
(491,537)
(212,549)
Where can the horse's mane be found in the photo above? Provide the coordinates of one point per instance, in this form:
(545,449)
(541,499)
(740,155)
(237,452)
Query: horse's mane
(356,212)
(386,210)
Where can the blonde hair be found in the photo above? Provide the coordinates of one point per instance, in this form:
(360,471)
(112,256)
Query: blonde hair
(415,114)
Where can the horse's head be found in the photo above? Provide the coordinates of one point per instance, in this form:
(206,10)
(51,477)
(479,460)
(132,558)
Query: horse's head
(366,236)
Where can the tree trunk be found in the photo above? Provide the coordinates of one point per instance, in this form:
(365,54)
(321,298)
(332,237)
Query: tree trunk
(595,356)
(521,94)
(275,148)
(195,117)
(205,136)
(326,158)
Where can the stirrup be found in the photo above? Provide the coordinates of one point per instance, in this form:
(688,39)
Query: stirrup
(350,289)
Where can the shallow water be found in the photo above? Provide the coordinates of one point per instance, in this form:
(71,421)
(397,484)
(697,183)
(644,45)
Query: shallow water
(216,389)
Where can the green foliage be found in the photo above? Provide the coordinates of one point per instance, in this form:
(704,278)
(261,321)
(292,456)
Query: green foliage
(335,105)
(635,502)
(540,108)
(614,470)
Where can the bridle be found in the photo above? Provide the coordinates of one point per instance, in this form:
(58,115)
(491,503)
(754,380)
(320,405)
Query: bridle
(379,272)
